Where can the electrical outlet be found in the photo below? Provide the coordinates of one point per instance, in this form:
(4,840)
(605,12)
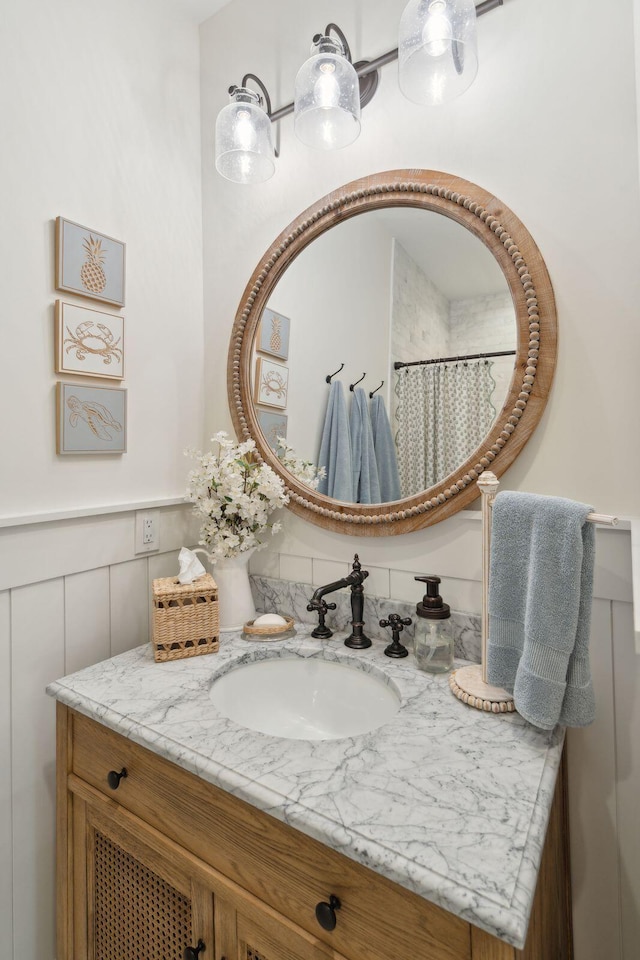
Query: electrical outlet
(147,531)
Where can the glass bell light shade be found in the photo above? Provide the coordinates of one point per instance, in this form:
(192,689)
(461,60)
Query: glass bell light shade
(244,145)
(437,50)
(327,98)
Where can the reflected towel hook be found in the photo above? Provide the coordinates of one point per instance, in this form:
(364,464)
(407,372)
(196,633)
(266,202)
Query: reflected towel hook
(329,376)
(352,385)
(376,390)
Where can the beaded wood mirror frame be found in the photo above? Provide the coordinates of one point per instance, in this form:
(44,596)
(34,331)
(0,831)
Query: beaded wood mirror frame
(530,286)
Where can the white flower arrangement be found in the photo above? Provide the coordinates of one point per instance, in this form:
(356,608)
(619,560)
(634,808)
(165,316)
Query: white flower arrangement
(304,470)
(233,496)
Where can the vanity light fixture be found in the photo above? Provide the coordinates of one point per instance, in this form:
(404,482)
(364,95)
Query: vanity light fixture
(437,50)
(438,60)
(244,144)
(327,94)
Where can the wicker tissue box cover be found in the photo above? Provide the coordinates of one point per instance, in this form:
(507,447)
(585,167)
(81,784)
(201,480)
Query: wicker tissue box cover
(186,621)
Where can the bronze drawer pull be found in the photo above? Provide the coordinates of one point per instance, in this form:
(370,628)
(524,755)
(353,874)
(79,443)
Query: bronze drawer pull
(114,778)
(326,912)
(191,953)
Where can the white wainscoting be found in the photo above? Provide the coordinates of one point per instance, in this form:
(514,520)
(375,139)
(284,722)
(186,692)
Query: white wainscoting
(72,592)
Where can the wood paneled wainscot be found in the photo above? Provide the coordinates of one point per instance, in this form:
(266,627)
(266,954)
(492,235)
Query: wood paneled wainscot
(163,862)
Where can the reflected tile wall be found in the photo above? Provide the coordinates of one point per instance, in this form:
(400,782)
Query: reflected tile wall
(290,599)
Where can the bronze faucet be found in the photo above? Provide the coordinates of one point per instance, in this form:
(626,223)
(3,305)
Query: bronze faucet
(357,639)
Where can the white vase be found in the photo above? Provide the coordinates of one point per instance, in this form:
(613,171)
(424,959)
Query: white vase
(235,600)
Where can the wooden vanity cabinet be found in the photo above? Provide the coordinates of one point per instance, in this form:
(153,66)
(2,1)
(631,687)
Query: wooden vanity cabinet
(137,896)
(166,861)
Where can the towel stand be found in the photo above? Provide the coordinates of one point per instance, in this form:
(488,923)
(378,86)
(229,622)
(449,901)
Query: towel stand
(469,684)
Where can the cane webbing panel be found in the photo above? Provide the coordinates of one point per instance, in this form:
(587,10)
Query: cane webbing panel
(138,915)
(253,954)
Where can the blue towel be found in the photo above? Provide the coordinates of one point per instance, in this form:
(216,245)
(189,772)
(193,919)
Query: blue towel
(364,469)
(335,448)
(540,592)
(385,450)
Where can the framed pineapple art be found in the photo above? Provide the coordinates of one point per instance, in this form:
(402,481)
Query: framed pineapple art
(88,342)
(273,334)
(89,263)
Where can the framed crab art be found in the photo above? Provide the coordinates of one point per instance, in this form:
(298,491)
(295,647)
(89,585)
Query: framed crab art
(271,383)
(89,263)
(90,419)
(88,342)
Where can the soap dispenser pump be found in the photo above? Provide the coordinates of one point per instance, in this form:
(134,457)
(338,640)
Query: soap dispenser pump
(433,644)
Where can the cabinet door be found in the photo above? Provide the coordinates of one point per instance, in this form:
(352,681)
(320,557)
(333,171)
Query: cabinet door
(132,900)
(249,930)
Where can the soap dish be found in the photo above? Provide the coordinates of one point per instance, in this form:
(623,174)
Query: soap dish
(268,631)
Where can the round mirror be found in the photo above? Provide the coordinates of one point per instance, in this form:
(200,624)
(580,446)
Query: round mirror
(420,314)
(435,292)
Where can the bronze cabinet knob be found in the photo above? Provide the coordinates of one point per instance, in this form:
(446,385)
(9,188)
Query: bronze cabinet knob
(114,778)
(326,912)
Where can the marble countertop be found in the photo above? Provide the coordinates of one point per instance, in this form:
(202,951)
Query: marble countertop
(445,800)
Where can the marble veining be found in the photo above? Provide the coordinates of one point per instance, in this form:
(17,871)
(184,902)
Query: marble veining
(290,599)
(445,800)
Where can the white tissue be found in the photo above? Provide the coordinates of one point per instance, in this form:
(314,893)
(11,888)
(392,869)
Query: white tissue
(190,566)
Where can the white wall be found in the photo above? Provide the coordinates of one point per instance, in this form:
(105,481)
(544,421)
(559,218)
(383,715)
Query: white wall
(420,312)
(334,321)
(553,137)
(100,124)
(550,127)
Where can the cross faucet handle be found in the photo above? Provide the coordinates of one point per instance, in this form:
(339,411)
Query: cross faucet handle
(320,605)
(397,624)
(322,631)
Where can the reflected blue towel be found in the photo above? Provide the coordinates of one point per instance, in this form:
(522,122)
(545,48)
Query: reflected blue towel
(541,585)
(364,469)
(335,448)
(385,450)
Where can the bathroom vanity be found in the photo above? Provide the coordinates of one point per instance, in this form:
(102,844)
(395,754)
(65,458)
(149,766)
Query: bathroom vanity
(179,829)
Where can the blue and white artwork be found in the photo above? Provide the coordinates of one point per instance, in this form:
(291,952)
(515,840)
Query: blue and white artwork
(271,384)
(89,263)
(91,419)
(273,425)
(273,334)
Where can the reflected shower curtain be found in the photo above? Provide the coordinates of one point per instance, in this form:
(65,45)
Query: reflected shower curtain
(443,412)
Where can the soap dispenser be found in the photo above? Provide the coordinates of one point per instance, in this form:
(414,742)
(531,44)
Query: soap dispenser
(433,644)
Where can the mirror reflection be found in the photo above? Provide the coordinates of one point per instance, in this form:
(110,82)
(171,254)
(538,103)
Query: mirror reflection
(409,299)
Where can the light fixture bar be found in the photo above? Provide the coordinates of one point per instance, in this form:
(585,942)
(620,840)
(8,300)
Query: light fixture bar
(370,66)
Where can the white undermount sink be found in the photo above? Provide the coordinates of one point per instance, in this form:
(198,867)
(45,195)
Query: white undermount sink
(304,698)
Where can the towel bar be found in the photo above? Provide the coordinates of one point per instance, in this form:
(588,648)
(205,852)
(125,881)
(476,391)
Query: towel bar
(469,684)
